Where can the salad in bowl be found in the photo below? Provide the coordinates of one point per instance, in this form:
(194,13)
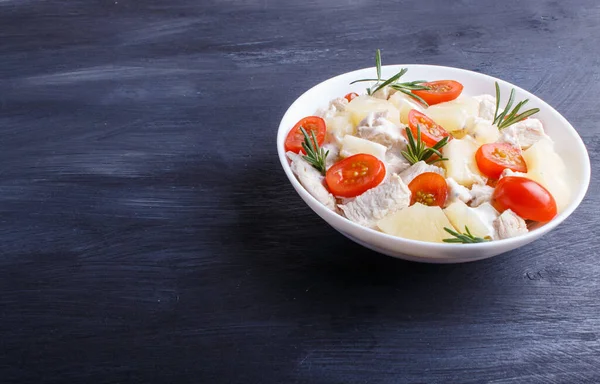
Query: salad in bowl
(431,160)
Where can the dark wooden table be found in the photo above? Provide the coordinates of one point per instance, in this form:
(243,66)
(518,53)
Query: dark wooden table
(148,234)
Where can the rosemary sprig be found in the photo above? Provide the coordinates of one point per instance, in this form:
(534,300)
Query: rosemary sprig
(417,150)
(378,63)
(315,155)
(392,82)
(406,88)
(465,238)
(506,118)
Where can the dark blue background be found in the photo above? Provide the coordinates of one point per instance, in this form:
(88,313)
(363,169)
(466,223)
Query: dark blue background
(148,233)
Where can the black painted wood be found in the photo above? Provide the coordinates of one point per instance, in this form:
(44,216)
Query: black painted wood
(147,233)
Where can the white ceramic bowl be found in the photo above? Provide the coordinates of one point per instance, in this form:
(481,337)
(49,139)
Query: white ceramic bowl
(568,144)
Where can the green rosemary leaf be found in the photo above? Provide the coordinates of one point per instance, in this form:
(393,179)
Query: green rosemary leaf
(393,83)
(501,116)
(378,64)
(409,93)
(388,81)
(497,101)
(413,87)
(509,117)
(436,160)
(315,155)
(521,116)
(465,238)
(441,143)
(416,150)
(515,110)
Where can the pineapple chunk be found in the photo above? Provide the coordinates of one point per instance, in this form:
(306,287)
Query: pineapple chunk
(338,126)
(546,167)
(361,106)
(479,220)
(404,104)
(453,115)
(461,164)
(417,222)
(352,145)
(482,130)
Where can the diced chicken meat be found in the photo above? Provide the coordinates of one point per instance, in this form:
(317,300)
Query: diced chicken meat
(384,93)
(487,106)
(523,134)
(395,164)
(332,156)
(457,192)
(481,194)
(509,224)
(326,113)
(339,103)
(368,208)
(335,105)
(376,127)
(511,136)
(311,179)
(418,168)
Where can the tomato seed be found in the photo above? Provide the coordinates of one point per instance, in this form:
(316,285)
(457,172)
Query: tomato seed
(425,198)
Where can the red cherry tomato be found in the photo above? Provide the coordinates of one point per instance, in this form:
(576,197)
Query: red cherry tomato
(524,197)
(494,158)
(431,132)
(355,175)
(440,91)
(295,138)
(428,188)
(351,96)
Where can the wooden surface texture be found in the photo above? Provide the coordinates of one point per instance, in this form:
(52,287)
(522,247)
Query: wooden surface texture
(149,235)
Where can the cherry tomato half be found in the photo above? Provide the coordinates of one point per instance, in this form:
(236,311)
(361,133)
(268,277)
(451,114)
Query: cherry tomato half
(524,197)
(295,138)
(428,188)
(355,175)
(494,158)
(440,91)
(351,96)
(431,132)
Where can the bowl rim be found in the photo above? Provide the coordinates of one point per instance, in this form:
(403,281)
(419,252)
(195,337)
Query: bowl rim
(341,221)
